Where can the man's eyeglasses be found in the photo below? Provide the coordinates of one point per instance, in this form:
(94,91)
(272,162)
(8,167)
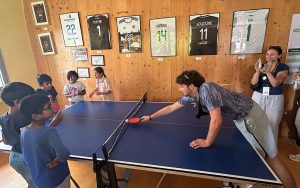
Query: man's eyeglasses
(48,107)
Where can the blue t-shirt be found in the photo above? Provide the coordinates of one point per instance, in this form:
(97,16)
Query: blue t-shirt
(11,125)
(233,105)
(40,146)
(264,81)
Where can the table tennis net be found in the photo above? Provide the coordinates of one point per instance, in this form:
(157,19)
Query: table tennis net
(111,142)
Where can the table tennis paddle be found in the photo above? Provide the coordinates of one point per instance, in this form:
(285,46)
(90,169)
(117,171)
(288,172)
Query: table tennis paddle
(133,120)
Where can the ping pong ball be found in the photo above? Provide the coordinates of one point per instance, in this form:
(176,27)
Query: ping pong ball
(126,120)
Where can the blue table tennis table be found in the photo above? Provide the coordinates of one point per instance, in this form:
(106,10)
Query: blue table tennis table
(163,143)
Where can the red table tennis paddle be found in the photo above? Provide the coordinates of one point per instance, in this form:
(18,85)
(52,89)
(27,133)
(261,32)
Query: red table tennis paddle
(133,120)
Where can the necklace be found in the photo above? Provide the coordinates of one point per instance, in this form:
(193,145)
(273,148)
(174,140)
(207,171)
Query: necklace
(275,67)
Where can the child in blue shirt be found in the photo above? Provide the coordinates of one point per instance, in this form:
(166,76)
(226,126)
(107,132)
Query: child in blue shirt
(43,150)
(11,122)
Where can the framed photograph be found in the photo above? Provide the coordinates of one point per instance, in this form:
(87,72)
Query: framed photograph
(204,34)
(129,34)
(46,43)
(99,32)
(163,37)
(97,60)
(71,29)
(39,13)
(83,72)
(79,54)
(248,31)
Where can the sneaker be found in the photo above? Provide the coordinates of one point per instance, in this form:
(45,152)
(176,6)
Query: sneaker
(295,157)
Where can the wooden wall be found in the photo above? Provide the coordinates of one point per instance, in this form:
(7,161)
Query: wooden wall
(131,76)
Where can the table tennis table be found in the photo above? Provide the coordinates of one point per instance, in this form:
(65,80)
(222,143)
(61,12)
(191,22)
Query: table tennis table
(162,144)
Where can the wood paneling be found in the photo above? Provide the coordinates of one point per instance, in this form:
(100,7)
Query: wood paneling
(132,76)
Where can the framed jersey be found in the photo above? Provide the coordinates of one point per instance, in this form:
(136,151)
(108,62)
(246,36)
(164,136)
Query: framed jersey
(248,31)
(204,34)
(46,43)
(39,13)
(163,37)
(99,32)
(129,34)
(70,26)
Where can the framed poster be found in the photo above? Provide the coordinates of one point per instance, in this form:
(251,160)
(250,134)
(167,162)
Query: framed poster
(99,32)
(39,13)
(129,34)
(248,31)
(46,43)
(163,37)
(83,72)
(97,60)
(79,54)
(70,26)
(204,34)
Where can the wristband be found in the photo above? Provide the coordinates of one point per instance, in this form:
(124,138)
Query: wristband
(150,117)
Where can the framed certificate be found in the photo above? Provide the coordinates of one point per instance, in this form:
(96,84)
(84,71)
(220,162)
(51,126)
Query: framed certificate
(83,72)
(70,26)
(46,43)
(163,37)
(97,60)
(39,13)
(248,31)
(79,54)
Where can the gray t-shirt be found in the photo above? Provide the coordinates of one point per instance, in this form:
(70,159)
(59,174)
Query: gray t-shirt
(233,105)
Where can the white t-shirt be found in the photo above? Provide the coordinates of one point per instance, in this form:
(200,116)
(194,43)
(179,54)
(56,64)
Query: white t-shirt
(72,90)
(103,84)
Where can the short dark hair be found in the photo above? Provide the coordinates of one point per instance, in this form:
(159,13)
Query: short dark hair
(72,73)
(100,70)
(15,90)
(33,104)
(190,77)
(42,78)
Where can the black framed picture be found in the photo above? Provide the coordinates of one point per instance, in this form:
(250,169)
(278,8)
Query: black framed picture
(129,34)
(204,34)
(46,43)
(39,13)
(83,72)
(163,37)
(248,31)
(99,32)
(97,60)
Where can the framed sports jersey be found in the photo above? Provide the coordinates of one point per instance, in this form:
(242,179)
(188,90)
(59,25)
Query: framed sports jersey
(39,13)
(99,32)
(248,31)
(163,37)
(46,43)
(129,34)
(70,26)
(204,34)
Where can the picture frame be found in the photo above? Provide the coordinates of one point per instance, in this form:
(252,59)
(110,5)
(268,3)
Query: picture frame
(97,60)
(46,43)
(71,29)
(79,54)
(163,37)
(99,31)
(83,72)
(248,31)
(129,34)
(39,12)
(204,29)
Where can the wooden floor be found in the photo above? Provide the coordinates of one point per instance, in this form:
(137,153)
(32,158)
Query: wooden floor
(82,172)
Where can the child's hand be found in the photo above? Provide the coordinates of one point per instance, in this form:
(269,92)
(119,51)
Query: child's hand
(53,163)
(57,118)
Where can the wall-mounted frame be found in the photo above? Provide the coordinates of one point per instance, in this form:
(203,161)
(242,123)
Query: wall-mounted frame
(248,31)
(163,37)
(79,54)
(46,43)
(99,32)
(39,12)
(129,34)
(204,34)
(71,29)
(97,60)
(83,72)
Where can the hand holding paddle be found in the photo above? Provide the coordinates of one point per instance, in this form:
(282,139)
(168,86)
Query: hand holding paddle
(133,120)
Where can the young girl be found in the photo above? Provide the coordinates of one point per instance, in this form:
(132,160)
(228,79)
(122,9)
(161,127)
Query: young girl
(103,86)
(74,90)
